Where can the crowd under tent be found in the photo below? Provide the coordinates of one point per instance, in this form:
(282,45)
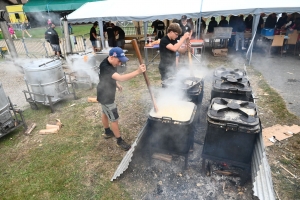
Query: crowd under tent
(130,10)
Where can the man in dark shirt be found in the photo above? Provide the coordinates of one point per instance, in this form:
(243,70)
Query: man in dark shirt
(282,21)
(51,36)
(119,36)
(168,47)
(93,35)
(185,26)
(106,91)
(248,22)
(271,21)
(159,28)
(223,22)
(110,34)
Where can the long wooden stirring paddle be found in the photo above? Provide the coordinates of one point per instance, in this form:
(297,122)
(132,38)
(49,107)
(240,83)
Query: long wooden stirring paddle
(138,53)
(190,56)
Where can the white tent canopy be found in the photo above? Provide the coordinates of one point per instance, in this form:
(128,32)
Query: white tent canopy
(127,10)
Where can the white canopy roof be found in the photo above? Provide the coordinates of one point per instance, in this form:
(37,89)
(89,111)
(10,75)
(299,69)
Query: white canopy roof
(126,10)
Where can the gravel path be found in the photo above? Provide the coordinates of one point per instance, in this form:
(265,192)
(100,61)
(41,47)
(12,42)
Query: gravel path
(13,83)
(281,73)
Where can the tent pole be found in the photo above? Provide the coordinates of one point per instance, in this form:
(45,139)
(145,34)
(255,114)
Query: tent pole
(100,22)
(199,24)
(145,36)
(254,28)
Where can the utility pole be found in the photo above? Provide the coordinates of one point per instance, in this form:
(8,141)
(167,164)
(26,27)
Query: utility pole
(6,36)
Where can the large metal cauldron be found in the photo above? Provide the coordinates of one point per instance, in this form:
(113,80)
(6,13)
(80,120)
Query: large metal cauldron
(6,120)
(46,80)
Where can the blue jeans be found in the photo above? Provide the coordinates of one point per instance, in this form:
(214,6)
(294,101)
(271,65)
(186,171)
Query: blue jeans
(238,36)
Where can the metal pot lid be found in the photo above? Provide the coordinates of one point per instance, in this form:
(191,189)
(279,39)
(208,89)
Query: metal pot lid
(229,72)
(180,111)
(233,84)
(234,111)
(185,83)
(41,64)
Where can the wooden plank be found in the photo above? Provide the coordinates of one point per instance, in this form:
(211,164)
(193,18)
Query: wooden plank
(163,157)
(30,128)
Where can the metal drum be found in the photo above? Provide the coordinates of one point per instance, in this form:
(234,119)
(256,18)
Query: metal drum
(6,120)
(46,79)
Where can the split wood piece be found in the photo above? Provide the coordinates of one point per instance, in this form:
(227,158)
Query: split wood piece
(50,126)
(288,171)
(92,100)
(163,157)
(58,123)
(48,131)
(30,128)
(226,173)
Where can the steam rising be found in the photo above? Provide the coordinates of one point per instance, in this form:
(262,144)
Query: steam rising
(83,65)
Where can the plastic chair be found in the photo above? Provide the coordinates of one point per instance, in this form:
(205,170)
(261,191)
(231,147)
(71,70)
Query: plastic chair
(293,37)
(277,42)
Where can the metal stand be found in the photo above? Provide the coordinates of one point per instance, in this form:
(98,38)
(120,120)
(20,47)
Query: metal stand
(47,99)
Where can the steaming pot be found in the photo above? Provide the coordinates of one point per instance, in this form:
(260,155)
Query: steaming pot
(46,79)
(171,133)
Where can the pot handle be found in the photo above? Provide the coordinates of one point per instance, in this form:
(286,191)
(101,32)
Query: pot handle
(167,118)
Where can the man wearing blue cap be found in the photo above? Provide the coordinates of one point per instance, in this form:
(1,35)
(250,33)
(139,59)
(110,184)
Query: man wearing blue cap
(106,91)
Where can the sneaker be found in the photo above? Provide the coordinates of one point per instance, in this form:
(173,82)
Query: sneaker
(23,37)
(124,145)
(236,49)
(243,48)
(30,36)
(110,134)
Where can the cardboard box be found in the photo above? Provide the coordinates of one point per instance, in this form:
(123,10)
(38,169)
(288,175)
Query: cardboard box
(220,52)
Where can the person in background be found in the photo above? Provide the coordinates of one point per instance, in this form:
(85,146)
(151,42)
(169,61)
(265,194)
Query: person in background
(119,36)
(159,27)
(203,27)
(248,22)
(93,35)
(106,92)
(232,23)
(240,31)
(24,27)
(52,37)
(282,21)
(211,26)
(153,25)
(223,23)
(185,26)
(49,22)
(271,21)
(12,32)
(110,34)
(70,28)
(168,47)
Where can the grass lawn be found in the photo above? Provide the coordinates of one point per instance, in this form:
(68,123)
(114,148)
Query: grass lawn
(40,32)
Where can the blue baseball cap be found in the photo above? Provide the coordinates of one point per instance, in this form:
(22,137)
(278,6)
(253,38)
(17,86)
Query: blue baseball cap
(118,52)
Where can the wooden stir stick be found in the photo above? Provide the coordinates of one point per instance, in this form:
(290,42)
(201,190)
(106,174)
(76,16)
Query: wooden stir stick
(138,53)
